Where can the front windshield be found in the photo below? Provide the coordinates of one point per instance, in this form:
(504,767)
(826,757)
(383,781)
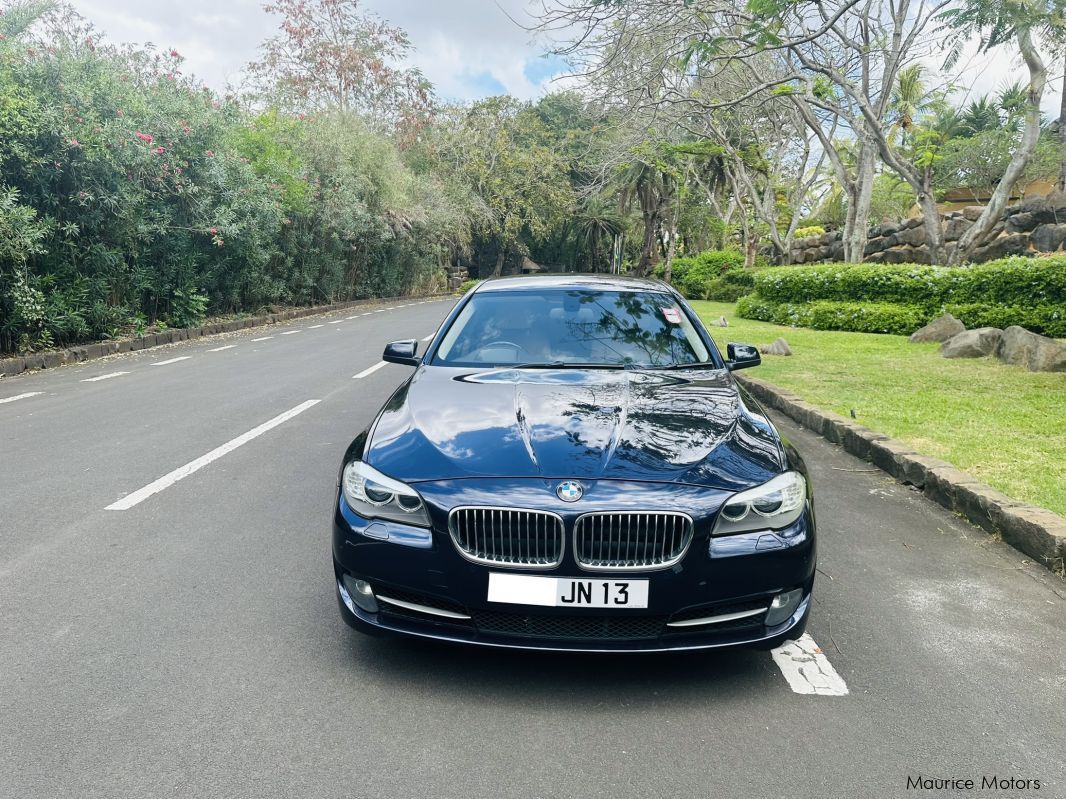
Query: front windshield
(572,327)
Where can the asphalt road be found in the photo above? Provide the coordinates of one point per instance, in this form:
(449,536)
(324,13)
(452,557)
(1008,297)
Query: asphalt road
(190,645)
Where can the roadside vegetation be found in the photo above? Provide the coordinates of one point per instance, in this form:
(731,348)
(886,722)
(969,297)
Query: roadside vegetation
(994,421)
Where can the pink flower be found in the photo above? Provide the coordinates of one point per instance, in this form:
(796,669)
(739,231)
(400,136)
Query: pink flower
(210,153)
(186,129)
(74,143)
(145,137)
(213,231)
(159,150)
(174,53)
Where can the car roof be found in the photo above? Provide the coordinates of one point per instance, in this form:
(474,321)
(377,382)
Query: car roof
(572,281)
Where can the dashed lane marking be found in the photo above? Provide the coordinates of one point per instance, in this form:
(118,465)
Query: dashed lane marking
(219,349)
(262,338)
(314,327)
(338,321)
(171,360)
(807,669)
(290,332)
(370,371)
(104,377)
(182,472)
(27,395)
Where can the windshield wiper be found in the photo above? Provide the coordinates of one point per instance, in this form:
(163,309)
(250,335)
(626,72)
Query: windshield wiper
(705,365)
(564,365)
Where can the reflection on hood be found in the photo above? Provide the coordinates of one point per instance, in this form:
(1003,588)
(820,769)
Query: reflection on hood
(688,427)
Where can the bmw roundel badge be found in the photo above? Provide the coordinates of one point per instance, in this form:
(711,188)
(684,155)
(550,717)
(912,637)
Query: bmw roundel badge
(569,491)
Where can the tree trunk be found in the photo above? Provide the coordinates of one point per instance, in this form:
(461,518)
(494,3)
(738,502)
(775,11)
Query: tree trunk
(934,231)
(993,212)
(857,224)
(501,256)
(671,246)
(1062,136)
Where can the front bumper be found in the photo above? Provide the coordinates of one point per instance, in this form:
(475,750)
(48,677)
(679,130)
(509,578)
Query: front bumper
(717,577)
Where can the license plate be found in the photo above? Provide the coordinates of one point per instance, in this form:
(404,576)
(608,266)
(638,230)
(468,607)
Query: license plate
(567,592)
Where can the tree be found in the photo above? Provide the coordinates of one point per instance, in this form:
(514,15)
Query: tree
(329,54)
(500,148)
(998,22)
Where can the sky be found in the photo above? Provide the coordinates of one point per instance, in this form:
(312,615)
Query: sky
(467,48)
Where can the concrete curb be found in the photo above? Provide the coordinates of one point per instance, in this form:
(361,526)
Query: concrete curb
(87,352)
(1035,531)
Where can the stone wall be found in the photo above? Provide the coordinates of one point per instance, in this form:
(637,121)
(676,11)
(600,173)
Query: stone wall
(1034,226)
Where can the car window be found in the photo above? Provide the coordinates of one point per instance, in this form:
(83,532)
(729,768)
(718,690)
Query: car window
(572,327)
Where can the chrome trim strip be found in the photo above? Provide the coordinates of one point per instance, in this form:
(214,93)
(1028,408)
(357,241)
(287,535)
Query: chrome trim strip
(448,614)
(472,542)
(782,628)
(740,614)
(655,518)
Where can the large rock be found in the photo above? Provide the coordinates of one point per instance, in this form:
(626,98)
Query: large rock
(973,212)
(912,235)
(955,227)
(940,329)
(779,347)
(1012,244)
(1036,353)
(1048,238)
(972,343)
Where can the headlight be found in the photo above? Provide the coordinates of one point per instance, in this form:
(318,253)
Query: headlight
(373,495)
(775,504)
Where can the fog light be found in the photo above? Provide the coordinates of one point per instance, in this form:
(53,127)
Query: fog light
(358,592)
(783,606)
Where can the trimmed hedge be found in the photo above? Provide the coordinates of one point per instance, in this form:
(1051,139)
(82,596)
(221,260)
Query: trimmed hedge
(877,317)
(878,298)
(899,318)
(1009,281)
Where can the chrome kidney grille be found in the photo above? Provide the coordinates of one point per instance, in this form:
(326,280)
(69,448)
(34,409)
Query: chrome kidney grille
(631,540)
(508,536)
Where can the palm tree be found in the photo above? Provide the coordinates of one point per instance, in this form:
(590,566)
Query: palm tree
(981,115)
(909,99)
(1012,101)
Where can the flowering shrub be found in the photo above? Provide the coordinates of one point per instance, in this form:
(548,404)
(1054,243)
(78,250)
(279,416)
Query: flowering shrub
(130,195)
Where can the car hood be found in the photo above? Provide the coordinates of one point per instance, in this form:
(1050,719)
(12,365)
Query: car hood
(687,427)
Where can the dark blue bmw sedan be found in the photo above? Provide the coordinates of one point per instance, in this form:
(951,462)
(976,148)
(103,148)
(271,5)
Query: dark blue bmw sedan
(572,466)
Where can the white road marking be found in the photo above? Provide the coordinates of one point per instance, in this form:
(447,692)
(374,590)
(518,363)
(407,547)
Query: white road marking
(370,371)
(262,338)
(338,321)
(427,338)
(21,396)
(104,377)
(807,669)
(355,316)
(391,308)
(380,310)
(219,349)
(365,314)
(167,480)
(172,360)
(290,332)
(313,327)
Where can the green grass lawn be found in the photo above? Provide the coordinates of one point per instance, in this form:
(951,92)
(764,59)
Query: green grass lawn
(1002,424)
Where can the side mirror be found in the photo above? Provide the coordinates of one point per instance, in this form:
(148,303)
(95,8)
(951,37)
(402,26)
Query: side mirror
(402,352)
(742,356)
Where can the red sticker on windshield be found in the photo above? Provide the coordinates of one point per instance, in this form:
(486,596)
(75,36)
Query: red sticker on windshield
(672,315)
